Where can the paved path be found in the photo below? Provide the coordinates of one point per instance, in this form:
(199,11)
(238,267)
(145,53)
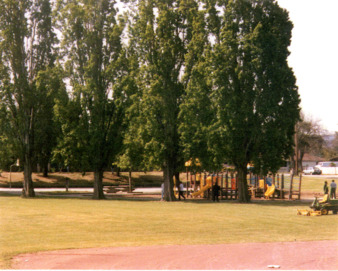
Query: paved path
(314,255)
(75,189)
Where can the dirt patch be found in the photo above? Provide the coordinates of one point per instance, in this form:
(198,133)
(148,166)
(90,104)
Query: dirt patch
(314,255)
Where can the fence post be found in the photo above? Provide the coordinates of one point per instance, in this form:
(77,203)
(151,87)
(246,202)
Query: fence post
(290,190)
(300,186)
(282,187)
(226,185)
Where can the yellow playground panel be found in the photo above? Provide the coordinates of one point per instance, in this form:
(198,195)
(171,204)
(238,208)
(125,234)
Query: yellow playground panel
(204,188)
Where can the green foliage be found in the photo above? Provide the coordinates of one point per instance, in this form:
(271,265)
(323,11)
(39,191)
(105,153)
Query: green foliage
(194,79)
(255,91)
(197,111)
(94,65)
(27,48)
(50,87)
(71,150)
(162,32)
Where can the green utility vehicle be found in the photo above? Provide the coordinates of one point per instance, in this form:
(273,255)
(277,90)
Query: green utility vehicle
(325,205)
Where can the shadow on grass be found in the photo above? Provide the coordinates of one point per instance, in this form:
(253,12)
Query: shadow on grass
(148,181)
(59,180)
(253,202)
(79,196)
(143,198)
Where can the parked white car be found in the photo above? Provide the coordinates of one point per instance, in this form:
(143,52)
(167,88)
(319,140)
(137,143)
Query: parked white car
(308,170)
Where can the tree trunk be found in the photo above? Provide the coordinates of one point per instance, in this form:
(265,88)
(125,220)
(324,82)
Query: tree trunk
(296,153)
(300,163)
(168,173)
(98,185)
(177,176)
(129,181)
(28,188)
(45,170)
(243,193)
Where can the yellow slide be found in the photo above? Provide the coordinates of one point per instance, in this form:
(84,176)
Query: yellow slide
(270,191)
(204,188)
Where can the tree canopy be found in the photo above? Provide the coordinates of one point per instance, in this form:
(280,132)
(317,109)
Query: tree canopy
(151,87)
(94,65)
(27,49)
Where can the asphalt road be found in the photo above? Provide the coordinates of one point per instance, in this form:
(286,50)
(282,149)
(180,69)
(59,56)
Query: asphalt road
(74,189)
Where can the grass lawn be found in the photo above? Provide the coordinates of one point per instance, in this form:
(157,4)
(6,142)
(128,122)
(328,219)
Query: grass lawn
(30,225)
(315,183)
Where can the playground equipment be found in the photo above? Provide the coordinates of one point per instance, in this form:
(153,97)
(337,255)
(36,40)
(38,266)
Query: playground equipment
(227,182)
(258,189)
(269,192)
(272,186)
(191,162)
(293,186)
(277,186)
(321,207)
(203,188)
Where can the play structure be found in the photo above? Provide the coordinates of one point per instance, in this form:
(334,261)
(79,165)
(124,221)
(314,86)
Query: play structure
(270,191)
(204,188)
(275,186)
(199,185)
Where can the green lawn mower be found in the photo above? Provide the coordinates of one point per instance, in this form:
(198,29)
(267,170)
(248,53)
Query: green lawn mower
(325,205)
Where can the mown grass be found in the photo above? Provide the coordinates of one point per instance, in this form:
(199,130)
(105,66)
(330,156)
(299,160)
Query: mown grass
(315,184)
(30,225)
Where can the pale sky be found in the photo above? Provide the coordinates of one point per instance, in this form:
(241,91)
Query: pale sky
(314,57)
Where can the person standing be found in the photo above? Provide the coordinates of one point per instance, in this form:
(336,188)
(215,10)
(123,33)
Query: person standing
(333,186)
(180,191)
(215,192)
(326,188)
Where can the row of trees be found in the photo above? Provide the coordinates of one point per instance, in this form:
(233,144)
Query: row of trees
(311,138)
(161,83)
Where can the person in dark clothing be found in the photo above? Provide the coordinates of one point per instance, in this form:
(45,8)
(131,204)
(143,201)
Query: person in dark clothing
(326,188)
(215,192)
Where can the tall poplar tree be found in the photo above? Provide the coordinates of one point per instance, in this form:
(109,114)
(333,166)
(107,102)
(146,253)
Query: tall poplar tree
(254,88)
(163,30)
(49,89)
(27,48)
(92,49)
(196,110)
